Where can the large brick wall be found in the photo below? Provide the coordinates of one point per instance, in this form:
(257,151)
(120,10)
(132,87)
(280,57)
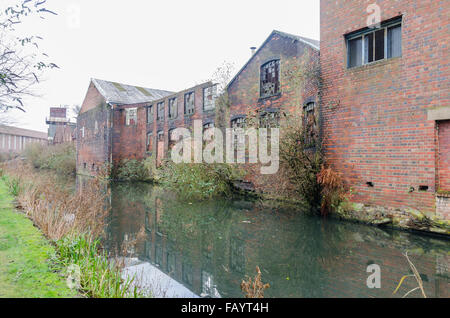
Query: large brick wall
(375,116)
(93,149)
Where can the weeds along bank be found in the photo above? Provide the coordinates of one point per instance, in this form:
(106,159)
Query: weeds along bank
(60,158)
(74,221)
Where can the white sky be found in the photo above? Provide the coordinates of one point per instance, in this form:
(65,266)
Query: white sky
(164,44)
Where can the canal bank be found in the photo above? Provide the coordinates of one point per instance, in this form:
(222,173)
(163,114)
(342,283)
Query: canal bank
(26,269)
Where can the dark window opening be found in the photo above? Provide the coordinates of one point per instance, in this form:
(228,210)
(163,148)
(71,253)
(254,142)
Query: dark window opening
(160,115)
(270,79)
(150,114)
(370,184)
(310,124)
(423,188)
(375,45)
(189,105)
(160,136)
(173,108)
(85,165)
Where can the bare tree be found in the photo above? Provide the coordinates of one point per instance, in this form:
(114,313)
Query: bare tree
(21,62)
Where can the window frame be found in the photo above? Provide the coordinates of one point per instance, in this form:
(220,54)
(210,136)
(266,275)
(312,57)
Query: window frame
(128,116)
(150,110)
(149,141)
(214,95)
(173,102)
(385,26)
(186,110)
(277,92)
(160,117)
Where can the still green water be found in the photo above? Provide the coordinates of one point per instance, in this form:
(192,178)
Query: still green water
(191,249)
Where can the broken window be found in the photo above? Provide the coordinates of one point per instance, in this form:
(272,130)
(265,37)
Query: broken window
(209,97)
(238,136)
(173,108)
(172,139)
(208,126)
(310,124)
(160,136)
(160,115)
(375,44)
(131,116)
(149,142)
(269,120)
(189,103)
(150,113)
(270,79)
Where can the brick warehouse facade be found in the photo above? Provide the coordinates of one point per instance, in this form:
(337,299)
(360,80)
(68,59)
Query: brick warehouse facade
(385,101)
(251,93)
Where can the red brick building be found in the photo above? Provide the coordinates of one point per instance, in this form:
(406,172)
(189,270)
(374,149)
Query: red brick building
(119,121)
(268,86)
(111,124)
(385,100)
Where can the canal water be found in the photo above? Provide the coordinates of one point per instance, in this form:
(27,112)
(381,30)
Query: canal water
(206,249)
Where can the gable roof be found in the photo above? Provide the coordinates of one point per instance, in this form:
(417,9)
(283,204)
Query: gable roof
(123,94)
(315,44)
(22,132)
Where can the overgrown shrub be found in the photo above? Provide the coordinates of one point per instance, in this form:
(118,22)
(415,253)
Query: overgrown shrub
(334,190)
(133,170)
(199,181)
(61,158)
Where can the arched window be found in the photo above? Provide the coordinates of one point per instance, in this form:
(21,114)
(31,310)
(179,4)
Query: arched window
(270,79)
(269,119)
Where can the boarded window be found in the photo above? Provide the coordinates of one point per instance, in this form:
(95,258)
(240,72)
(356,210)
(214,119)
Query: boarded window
(131,116)
(150,112)
(374,45)
(149,142)
(270,79)
(209,97)
(173,108)
(189,103)
(160,114)
(310,124)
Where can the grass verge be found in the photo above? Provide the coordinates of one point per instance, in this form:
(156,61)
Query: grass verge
(25,267)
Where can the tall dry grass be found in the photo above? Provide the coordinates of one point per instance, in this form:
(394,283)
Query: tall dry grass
(56,209)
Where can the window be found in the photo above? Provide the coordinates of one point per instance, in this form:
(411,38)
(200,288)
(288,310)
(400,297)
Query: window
(270,79)
(238,122)
(173,108)
(269,120)
(172,139)
(150,113)
(131,116)
(149,142)
(375,44)
(160,136)
(189,103)
(208,126)
(309,124)
(209,97)
(160,114)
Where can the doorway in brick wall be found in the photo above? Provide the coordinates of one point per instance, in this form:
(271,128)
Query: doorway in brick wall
(444,155)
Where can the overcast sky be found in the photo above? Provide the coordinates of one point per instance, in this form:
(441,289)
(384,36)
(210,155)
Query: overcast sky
(170,44)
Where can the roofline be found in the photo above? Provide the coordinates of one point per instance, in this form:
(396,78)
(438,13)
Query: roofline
(284,34)
(102,92)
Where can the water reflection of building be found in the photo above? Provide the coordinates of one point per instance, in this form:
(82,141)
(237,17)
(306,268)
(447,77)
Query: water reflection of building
(210,247)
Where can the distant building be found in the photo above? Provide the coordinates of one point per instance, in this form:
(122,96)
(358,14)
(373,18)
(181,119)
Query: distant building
(60,129)
(15,140)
